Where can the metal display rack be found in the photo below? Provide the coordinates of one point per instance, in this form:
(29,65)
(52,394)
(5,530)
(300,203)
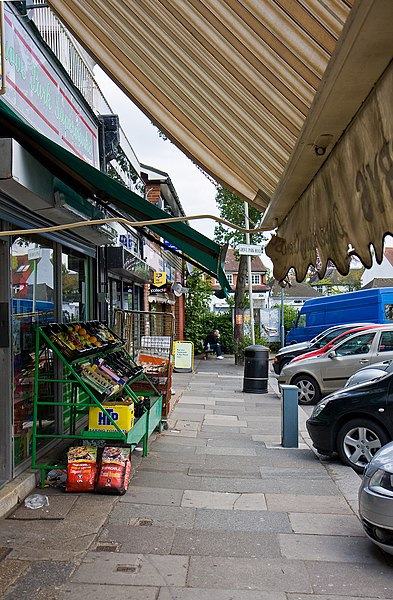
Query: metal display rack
(78,397)
(148,338)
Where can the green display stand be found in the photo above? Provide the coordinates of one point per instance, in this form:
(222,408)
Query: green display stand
(144,426)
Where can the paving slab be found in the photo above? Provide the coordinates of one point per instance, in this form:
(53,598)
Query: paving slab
(209,594)
(138,539)
(310,486)
(10,570)
(308,504)
(167,480)
(228,472)
(254,574)
(40,580)
(132,569)
(239,485)
(242,520)
(329,548)
(351,579)
(229,451)
(160,516)
(224,543)
(172,431)
(188,399)
(211,500)
(150,495)
(322,524)
(91,591)
(224,421)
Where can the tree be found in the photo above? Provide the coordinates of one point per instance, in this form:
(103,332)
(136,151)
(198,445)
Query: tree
(197,307)
(231,209)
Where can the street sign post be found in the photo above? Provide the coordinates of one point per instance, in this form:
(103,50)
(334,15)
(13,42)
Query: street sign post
(250,249)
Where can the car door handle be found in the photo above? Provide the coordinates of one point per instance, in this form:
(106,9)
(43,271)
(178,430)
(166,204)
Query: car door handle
(364,361)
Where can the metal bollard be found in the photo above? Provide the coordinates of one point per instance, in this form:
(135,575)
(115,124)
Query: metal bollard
(289,417)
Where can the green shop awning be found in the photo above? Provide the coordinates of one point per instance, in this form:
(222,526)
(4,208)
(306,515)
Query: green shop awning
(89,181)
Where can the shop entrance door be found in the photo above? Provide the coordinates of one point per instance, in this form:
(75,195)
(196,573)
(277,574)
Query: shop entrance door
(5,365)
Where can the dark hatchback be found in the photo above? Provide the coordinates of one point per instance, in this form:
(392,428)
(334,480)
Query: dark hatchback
(355,421)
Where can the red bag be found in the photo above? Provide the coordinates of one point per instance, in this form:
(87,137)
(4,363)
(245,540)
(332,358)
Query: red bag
(114,473)
(81,469)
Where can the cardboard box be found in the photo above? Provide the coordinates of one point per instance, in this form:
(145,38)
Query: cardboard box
(122,414)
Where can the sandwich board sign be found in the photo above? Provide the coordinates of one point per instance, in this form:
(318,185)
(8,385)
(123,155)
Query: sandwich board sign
(183,357)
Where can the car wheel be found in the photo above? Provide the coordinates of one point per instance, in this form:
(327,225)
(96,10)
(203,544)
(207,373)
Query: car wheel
(309,392)
(358,441)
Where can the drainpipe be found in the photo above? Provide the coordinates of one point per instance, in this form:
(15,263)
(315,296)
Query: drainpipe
(2,49)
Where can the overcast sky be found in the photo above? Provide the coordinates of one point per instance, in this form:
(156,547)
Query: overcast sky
(196,193)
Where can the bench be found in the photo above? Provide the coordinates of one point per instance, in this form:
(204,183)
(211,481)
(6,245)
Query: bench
(205,351)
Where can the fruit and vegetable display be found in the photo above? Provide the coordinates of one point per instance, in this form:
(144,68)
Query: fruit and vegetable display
(76,340)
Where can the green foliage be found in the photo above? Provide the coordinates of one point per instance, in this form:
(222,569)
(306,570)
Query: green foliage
(222,322)
(197,308)
(290,314)
(231,209)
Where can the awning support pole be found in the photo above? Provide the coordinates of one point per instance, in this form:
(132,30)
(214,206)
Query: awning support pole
(247,225)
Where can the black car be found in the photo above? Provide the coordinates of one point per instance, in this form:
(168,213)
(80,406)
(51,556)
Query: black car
(354,421)
(286,354)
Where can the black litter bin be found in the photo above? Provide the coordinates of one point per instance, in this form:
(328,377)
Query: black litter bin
(256,369)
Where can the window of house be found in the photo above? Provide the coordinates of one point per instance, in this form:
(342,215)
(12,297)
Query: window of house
(230,278)
(255,279)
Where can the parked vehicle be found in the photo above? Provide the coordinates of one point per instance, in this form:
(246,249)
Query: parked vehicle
(288,353)
(376,499)
(355,422)
(364,306)
(342,336)
(371,372)
(315,377)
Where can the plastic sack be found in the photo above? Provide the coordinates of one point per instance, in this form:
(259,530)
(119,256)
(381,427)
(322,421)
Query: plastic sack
(36,501)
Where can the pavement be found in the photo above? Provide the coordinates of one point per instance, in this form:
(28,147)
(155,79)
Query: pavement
(218,510)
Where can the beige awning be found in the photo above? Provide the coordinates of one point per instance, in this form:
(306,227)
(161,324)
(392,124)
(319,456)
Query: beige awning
(262,94)
(230,82)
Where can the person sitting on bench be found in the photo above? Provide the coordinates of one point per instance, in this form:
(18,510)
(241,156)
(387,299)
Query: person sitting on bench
(212,342)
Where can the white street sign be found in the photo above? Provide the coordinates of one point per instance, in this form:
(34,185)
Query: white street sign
(250,249)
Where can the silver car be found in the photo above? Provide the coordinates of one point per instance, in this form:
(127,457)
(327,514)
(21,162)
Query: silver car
(376,499)
(320,375)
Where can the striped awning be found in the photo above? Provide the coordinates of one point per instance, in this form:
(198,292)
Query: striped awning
(230,82)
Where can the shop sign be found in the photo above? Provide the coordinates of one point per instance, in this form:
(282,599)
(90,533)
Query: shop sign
(35,89)
(158,290)
(159,278)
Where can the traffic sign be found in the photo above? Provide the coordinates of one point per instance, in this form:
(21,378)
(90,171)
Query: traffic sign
(250,249)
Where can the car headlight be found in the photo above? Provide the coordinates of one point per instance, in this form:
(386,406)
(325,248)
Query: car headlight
(381,482)
(318,409)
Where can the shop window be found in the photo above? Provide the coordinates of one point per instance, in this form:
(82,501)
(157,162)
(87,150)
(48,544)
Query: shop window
(32,305)
(74,286)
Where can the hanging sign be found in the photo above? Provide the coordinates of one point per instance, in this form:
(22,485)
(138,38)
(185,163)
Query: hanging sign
(159,278)
(183,357)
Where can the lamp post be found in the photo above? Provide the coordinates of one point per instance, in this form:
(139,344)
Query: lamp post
(247,226)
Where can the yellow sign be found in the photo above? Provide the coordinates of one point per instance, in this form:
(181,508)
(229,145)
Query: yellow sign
(159,278)
(183,357)
(123,416)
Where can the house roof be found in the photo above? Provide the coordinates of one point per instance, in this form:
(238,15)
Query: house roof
(333,276)
(232,263)
(379,282)
(294,290)
(388,252)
